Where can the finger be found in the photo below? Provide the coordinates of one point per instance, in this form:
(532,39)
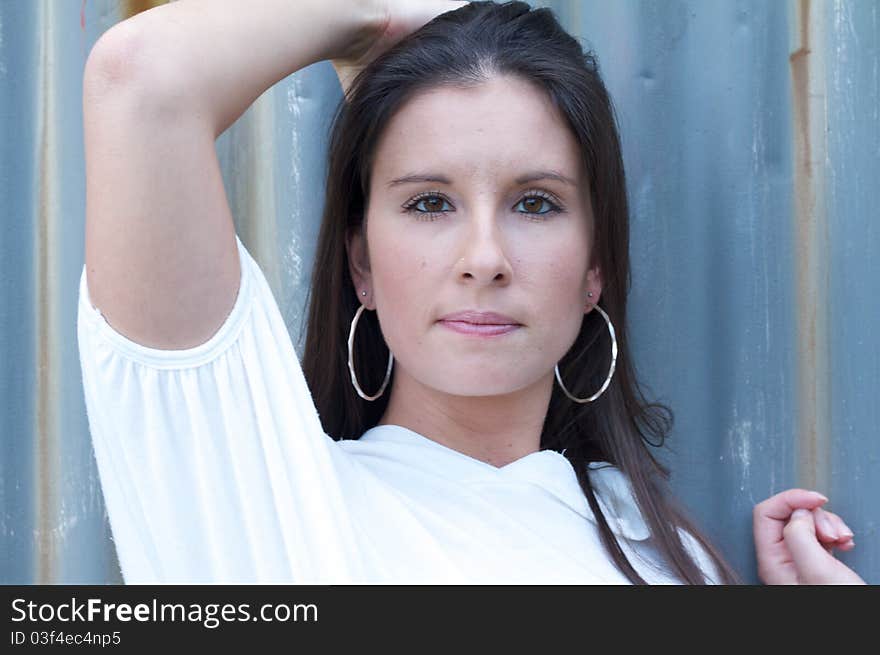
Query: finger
(769,516)
(813,563)
(842,528)
(846,534)
(826,528)
(800,539)
(781,505)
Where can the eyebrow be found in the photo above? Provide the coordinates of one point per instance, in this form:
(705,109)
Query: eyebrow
(532,176)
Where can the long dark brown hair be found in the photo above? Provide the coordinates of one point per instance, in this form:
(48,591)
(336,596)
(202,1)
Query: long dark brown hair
(462,48)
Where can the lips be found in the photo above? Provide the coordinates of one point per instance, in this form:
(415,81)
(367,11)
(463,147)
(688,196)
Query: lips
(480,318)
(479,330)
(480,324)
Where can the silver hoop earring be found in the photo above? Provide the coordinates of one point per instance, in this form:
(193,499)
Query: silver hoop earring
(610,372)
(351,359)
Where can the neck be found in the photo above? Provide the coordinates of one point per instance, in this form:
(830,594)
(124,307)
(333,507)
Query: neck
(495,429)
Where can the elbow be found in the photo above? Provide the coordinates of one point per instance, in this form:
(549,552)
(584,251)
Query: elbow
(115,58)
(130,55)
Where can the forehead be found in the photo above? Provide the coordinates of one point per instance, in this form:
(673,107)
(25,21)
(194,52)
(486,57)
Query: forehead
(500,126)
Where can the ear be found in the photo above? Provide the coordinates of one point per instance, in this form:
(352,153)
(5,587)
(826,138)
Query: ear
(594,286)
(359,264)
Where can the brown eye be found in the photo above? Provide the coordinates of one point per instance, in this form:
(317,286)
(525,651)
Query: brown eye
(535,201)
(433,203)
(428,206)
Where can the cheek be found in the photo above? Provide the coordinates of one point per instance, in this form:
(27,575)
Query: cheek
(407,288)
(561,304)
(554,274)
(403,277)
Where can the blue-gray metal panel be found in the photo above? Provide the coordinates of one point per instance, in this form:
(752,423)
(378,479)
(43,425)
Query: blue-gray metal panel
(18,162)
(852,197)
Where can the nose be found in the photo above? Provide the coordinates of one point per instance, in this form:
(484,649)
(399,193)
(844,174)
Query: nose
(483,253)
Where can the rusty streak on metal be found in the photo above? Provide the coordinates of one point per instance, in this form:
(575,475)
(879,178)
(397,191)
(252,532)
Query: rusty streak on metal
(128,8)
(813,414)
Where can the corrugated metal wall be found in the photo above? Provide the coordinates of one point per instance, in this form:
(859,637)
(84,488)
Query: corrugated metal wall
(752,137)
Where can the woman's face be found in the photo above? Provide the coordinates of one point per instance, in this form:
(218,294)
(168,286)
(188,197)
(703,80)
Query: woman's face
(480,239)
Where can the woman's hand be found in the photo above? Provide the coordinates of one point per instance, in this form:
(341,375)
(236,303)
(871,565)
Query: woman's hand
(402,17)
(795,537)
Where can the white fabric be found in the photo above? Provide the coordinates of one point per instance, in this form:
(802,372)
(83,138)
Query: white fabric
(215,469)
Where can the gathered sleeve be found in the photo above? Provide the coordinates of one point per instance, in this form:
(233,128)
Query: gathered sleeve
(213,461)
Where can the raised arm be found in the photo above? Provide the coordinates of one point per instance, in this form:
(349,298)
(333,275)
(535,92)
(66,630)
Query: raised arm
(158,88)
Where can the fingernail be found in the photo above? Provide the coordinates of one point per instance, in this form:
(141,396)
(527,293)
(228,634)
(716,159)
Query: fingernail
(826,525)
(799,513)
(820,496)
(846,531)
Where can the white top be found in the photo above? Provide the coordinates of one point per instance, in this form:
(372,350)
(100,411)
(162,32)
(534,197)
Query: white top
(215,469)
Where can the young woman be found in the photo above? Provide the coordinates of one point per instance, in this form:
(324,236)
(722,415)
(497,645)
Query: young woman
(466,409)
